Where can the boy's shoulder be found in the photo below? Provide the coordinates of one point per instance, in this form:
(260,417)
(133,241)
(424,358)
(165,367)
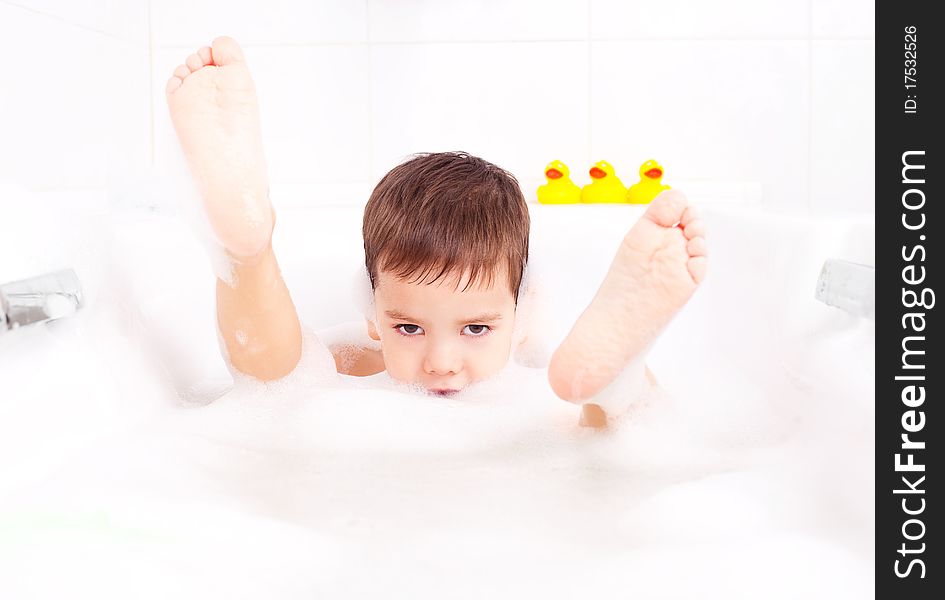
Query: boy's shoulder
(357,360)
(354,351)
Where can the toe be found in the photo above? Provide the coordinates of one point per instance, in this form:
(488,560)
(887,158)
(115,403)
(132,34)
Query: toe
(182,72)
(694,229)
(667,208)
(172,84)
(691,214)
(697,268)
(205,55)
(194,62)
(226,51)
(697,247)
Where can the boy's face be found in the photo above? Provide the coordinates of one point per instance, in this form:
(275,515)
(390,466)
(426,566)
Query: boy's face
(441,337)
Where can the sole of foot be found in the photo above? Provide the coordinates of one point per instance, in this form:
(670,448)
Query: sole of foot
(213,105)
(659,265)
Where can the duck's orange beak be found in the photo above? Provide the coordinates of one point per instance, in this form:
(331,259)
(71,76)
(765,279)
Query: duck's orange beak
(553,174)
(597,173)
(654,173)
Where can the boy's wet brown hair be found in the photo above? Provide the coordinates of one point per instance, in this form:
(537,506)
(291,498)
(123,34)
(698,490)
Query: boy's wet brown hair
(446,213)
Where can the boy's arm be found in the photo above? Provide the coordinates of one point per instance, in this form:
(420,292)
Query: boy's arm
(257,318)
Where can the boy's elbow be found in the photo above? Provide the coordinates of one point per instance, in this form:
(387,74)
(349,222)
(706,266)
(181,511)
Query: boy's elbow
(265,365)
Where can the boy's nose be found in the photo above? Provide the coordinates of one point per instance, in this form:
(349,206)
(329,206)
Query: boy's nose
(443,359)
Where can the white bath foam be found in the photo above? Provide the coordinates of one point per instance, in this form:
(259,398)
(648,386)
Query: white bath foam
(125,545)
(743,502)
(496,491)
(376,413)
(534,337)
(780,566)
(69,382)
(831,364)
(422,497)
(350,334)
(167,288)
(492,561)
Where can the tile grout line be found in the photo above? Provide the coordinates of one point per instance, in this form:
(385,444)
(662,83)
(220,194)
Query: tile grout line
(370,89)
(55,17)
(151,82)
(810,104)
(719,40)
(589,157)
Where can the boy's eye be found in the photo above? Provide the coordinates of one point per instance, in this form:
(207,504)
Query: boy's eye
(409,332)
(412,330)
(478,330)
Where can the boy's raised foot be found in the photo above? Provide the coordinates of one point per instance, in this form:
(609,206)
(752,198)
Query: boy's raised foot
(660,263)
(212,101)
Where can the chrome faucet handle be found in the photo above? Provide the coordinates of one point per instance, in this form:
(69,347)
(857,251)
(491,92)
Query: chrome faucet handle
(848,286)
(39,299)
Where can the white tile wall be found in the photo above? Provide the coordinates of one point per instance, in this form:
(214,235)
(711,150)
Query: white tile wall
(729,93)
(313,108)
(841,19)
(842,126)
(713,111)
(193,23)
(416,21)
(74,109)
(127,19)
(518,105)
(699,20)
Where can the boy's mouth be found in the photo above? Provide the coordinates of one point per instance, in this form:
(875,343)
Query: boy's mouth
(443,392)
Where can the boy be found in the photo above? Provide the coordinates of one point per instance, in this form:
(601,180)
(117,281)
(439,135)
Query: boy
(446,242)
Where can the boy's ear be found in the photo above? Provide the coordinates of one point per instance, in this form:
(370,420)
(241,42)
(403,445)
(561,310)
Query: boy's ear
(372,331)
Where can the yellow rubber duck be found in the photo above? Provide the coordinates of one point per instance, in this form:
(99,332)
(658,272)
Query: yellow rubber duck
(651,172)
(559,189)
(605,186)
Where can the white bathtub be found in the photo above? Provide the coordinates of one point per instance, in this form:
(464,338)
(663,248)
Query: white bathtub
(128,470)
